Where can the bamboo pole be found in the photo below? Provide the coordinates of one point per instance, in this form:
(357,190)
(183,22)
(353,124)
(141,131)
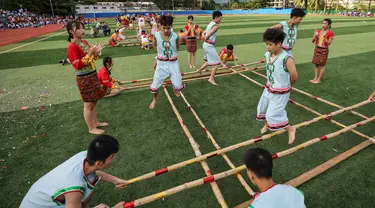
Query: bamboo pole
(322,138)
(221,175)
(193,72)
(195,146)
(239,145)
(167,82)
(329,119)
(329,164)
(226,158)
(319,99)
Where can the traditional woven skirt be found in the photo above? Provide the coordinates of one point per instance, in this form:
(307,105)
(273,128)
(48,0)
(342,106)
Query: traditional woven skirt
(90,88)
(191,44)
(320,56)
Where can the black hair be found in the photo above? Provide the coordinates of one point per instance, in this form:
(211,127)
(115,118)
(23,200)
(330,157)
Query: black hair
(230,47)
(182,30)
(100,148)
(259,161)
(166,20)
(73,24)
(190,17)
(216,14)
(275,35)
(329,21)
(297,12)
(107,60)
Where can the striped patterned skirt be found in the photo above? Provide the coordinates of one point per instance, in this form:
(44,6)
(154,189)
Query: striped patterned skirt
(90,88)
(320,56)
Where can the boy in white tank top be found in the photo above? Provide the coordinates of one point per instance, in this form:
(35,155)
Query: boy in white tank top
(73,182)
(289,28)
(166,44)
(281,74)
(211,57)
(259,166)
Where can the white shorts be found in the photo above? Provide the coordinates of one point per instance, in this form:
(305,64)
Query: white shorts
(163,70)
(271,107)
(210,54)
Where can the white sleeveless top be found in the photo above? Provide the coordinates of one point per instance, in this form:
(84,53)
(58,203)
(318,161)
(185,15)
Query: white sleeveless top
(212,38)
(278,77)
(144,39)
(65,178)
(167,49)
(290,35)
(279,196)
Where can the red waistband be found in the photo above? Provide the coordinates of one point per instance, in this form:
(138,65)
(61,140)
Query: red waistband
(171,60)
(276,92)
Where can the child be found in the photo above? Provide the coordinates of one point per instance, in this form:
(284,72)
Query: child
(210,55)
(182,37)
(281,74)
(191,32)
(144,41)
(82,56)
(290,29)
(141,24)
(227,54)
(114,41)
(166,44)
(105,78)
(322,40)
(259,166)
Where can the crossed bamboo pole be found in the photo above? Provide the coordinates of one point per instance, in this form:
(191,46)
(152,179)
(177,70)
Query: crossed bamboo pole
(226,158)
(213,178)
(193,72)
(195,146)
(239,145)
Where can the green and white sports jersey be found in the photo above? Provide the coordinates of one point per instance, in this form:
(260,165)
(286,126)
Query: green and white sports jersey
(65,178)
(279,196)
(290,35)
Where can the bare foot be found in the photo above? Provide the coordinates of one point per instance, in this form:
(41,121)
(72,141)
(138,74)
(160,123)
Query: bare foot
(212,81)
(153,104)
(264,129)
(96,131)
(313,80)
(292,134)
(194,67)
(190,66)
(316,82)
(177,93)
(102,124)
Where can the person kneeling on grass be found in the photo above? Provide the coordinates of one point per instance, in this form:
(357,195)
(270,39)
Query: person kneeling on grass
(72,183)
(105,78)
(227,54)
(259,166)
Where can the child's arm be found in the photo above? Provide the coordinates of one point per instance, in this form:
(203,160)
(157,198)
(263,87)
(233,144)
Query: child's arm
(154,43)
(221,53)
(119,183)
(277,26)
(291,67)
(214,28)
(372,96)
(328,39)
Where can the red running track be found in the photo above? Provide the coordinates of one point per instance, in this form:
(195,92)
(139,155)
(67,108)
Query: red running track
(9,36)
